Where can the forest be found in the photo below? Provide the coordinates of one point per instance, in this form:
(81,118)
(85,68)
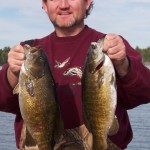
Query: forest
(145,53)
(3,55)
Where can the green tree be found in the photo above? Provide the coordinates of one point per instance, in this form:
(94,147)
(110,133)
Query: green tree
(1,56)
(145,53)
(4,55)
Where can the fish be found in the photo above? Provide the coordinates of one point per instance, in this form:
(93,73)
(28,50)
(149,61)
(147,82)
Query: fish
(37,100)
(99,96)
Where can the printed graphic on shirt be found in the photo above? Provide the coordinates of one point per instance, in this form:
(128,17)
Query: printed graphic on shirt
(75,71)
(63,64)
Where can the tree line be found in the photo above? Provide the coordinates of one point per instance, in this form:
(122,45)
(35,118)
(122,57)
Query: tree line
(145,53)
(4,55)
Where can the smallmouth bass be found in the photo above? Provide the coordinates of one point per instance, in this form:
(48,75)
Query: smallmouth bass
(37,97)
(99,95)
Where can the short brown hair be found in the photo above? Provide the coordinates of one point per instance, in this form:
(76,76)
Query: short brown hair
(88,11)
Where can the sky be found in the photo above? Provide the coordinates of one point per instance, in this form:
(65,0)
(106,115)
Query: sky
(24,19)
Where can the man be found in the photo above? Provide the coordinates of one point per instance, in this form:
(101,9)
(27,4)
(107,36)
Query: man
(69,43)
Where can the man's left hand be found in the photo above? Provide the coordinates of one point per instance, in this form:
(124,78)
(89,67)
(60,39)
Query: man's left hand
(115,48)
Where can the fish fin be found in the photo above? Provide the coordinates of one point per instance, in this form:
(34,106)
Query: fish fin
(100,80)
(16,89)
(32,147)
(29,141)
(114,127)
(29,87)
(59,125)
(87,123)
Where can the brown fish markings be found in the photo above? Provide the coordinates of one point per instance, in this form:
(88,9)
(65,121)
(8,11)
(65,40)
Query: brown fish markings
(99,95)
(37,97)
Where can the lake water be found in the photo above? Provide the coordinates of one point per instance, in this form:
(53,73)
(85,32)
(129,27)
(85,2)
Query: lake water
(139,117)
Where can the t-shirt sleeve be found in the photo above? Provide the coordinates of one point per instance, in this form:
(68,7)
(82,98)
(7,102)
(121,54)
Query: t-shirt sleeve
(8,101)
(134,88)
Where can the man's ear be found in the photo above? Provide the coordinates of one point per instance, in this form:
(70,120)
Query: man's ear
(88,3)
(44,6)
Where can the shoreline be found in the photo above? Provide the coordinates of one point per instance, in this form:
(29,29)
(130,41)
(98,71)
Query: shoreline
(146,63)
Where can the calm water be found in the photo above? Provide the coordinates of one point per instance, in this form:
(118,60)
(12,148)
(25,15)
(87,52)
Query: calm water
(139,117)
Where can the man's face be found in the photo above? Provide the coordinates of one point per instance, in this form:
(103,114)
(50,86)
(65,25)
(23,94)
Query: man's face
(66,13)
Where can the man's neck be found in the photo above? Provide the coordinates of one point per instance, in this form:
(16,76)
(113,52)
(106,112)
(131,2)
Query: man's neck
(72,31)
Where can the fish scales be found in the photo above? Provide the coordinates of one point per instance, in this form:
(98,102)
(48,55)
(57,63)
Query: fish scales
(36,112)
(37,98)
(99,95)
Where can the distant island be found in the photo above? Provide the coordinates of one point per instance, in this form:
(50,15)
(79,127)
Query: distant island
(145,53)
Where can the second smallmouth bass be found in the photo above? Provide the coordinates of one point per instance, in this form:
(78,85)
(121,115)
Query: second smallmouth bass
(99,95)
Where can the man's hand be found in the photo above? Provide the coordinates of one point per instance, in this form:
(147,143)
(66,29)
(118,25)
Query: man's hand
(115,48)
(16,57)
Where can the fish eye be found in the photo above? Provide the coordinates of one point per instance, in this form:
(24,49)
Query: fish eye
(94,46)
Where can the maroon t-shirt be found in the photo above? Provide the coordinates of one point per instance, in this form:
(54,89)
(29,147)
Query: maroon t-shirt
(66,57)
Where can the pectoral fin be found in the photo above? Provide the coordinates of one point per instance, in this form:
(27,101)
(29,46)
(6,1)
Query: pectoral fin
(29,87)
(16,89)
(114,127)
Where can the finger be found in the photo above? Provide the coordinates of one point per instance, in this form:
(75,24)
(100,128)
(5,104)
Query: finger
(15,68)
(113,50)
(113,40)
(17,53)
(110,36)
(18,49)
(16,56)
(17,62)
(19,56)
(117,56)
(28,46)
(109,42)
(112,43)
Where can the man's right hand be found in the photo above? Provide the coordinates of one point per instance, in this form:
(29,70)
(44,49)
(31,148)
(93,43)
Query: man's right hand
(16,57)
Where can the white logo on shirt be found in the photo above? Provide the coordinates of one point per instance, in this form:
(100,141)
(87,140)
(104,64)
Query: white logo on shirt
(63,64)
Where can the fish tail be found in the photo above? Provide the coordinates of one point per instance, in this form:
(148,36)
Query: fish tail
(100,143)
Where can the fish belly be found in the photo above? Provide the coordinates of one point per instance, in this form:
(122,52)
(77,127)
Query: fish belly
(99,98)
(39,111)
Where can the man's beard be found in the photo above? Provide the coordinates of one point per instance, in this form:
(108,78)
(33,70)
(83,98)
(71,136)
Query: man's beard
(68,24)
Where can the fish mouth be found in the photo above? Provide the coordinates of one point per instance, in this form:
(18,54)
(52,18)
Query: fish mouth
(99,65)
(96,64)
(97,60)
(36,62)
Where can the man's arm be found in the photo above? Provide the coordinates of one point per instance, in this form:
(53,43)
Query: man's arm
(8,101)
(133,77)
(9,78)
(115,48)
(134,88)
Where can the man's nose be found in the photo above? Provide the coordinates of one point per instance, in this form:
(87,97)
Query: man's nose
(63,4)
